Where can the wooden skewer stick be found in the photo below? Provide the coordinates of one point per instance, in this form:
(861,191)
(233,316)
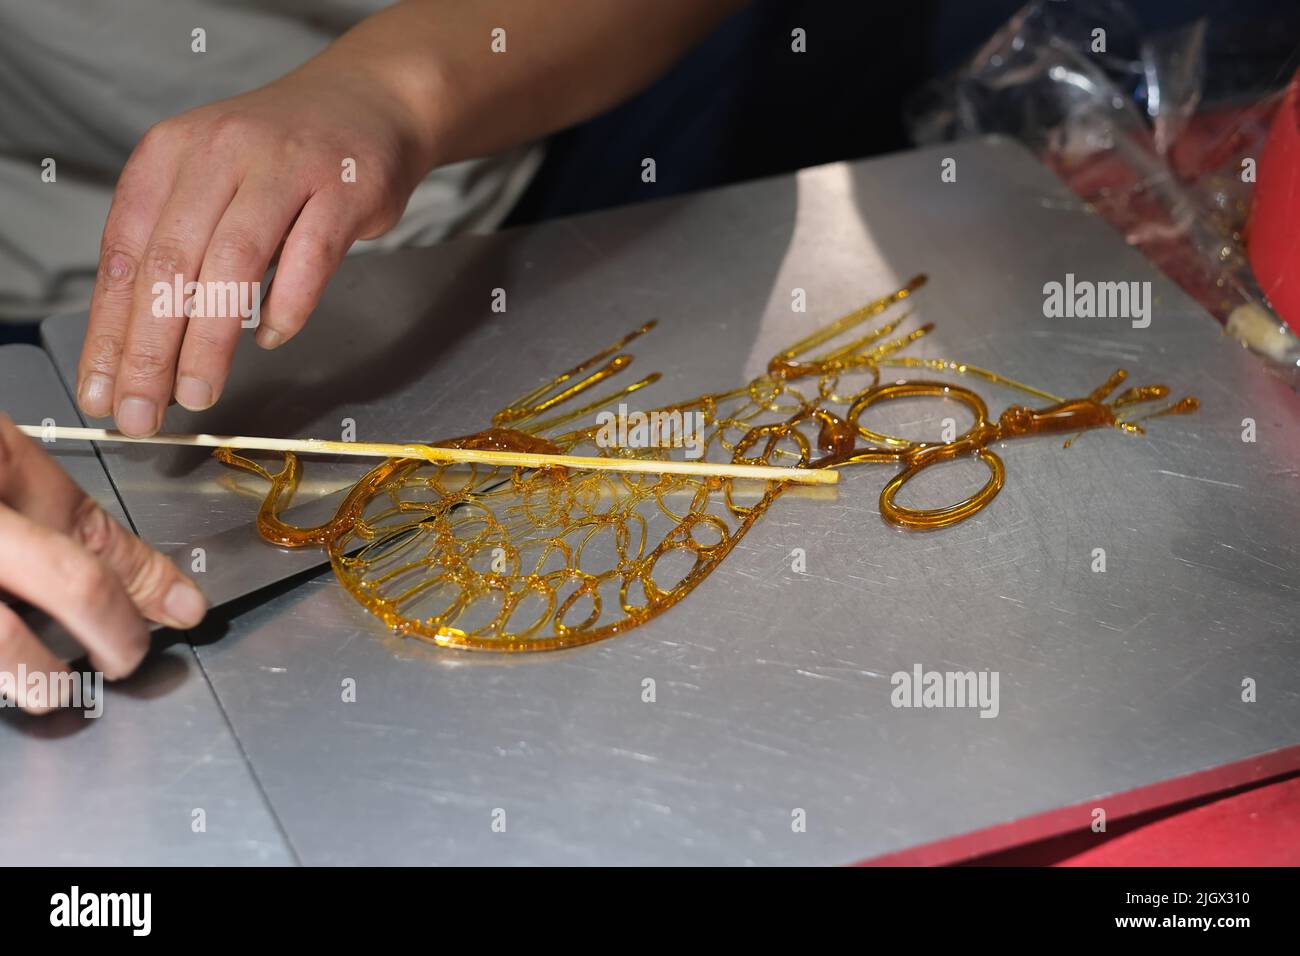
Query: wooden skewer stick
(507,459)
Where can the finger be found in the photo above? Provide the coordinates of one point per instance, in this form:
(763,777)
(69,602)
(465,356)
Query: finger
(316,245)
(32,484)
(146,373)
(54,573)
(20,648)
(237,258)
(155,586)
(141,192)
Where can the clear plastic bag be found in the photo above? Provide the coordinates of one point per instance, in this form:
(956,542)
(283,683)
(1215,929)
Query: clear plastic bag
(1119,117)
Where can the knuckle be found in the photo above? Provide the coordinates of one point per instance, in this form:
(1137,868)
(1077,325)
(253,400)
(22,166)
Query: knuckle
(145,360)
(156,139)
(312,150)
(164,257)
(230,129)
(385,211)
(319,248)
(103,350)
(377,224)
(295,144)
(117,268)
(160,134)
(92,527)
(306,139)
(237,245)
(149,579)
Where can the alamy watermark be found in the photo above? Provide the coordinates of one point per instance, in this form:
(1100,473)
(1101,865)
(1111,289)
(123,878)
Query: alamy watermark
(1083,299)
(674,429)
(946,689)
(208,300)
(130,910)
(83,690)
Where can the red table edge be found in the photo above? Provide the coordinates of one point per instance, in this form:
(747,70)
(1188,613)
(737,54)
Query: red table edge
(1118,806)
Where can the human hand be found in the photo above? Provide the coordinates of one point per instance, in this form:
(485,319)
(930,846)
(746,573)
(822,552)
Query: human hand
(60,552)
(212,195)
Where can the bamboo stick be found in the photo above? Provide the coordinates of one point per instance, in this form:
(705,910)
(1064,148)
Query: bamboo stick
(507,459)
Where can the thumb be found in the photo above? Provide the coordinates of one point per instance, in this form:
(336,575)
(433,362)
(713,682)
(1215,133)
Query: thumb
(157,588)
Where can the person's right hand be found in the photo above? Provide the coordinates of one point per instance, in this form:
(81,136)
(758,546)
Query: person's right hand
(61,552)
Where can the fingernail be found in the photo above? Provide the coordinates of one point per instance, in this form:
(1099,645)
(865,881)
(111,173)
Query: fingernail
(184,604)
(268,337)
(137,417)
(96,395)
(194,393)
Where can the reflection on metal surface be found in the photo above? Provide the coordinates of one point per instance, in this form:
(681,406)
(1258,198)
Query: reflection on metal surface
(513,559)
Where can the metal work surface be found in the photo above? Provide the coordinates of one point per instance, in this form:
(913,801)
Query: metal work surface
(772,687)
(122,788)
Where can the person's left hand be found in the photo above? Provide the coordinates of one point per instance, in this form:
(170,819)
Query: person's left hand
(211,196)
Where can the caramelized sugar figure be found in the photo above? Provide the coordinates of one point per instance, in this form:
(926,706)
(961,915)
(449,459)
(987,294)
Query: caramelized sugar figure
(512,559)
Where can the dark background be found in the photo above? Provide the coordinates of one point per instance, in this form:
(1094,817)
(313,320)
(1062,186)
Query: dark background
(743,105)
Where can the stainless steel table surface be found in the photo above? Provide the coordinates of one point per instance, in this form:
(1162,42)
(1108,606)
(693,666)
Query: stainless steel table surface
(123,787)
(773,687)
